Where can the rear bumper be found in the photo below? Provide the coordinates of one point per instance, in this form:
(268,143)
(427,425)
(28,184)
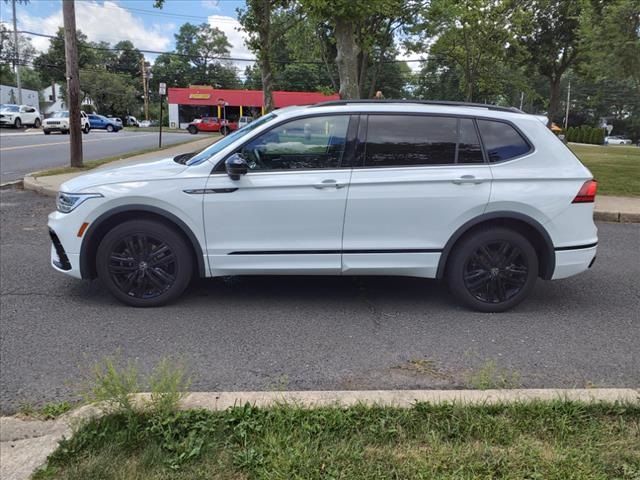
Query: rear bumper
(573,261)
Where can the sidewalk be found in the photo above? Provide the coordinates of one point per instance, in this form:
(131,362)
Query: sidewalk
(26,443)
(50,184)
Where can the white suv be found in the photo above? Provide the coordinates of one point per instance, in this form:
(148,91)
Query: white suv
(19,115)
(59,122)
(484,197)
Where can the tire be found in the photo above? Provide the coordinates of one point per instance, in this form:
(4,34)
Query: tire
(64,132)
(47,132)
(133,279)
(109,128)
(192,129)
(37,123)
(86,129)
(17,123)
(224,131)
(486,279)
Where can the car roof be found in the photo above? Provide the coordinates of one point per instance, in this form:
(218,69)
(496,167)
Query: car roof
(403,106)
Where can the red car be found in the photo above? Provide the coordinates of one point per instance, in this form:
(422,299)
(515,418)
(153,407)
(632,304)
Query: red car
(212,124)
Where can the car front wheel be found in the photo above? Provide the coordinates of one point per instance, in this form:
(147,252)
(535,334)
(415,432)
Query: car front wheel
(492,270)
(86,129)
(144,263)
(37,123)
(109,128)
(192,129)
(17,123)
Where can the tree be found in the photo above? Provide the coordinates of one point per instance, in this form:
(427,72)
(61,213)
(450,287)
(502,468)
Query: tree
(469,36)
(127,58)
(174,70)
(257,20)
(550,36)
(348,19)
(203,45)
(111,93)
(51,64)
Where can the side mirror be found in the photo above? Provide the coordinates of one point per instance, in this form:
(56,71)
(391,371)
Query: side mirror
(235,166)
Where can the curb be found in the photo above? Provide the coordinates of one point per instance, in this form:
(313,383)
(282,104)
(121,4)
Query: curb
(14,183)
(618,217)
(26,444)
(29,182)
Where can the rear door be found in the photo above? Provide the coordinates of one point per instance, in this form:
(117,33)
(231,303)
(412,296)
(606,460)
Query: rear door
(418,179)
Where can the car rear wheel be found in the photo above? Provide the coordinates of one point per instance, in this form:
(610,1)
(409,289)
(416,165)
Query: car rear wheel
(192,129)
(37,123)
(47,132)
(144,263)
(224,131)
(109,128)
(492,270)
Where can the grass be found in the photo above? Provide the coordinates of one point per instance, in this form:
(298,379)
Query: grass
(91,164)
(616,167)
(539,440)
(48,411)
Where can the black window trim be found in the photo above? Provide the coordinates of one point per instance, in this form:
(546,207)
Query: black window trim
(351,143)
(474,118)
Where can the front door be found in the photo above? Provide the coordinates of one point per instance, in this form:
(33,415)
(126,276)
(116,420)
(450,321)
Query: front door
(421,177)
(286,214)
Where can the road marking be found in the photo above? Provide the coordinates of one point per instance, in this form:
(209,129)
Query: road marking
(19,147)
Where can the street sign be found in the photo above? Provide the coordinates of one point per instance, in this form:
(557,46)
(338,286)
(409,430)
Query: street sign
(163,89)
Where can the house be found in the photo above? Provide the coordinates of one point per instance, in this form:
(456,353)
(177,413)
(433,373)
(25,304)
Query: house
(9,94)
(52,100)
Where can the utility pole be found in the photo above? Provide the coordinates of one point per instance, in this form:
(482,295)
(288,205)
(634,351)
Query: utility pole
(566,117)
(17,49)
(145,87)
(73,81)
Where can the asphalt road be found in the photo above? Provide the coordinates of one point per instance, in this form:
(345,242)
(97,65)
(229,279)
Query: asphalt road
(312,332)
(23,152)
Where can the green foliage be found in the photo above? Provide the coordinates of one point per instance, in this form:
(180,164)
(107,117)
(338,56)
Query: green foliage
(490,376)
(617,168)
(550,440)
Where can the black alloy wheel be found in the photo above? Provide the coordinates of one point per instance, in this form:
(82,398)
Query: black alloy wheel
(492,270)
(496,272)
(144,263)
(142,266)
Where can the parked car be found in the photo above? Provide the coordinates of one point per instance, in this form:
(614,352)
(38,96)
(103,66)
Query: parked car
(59,122)
(145,123)
(18,115)
(486,198)
(617,140)
(131,121)
(243,121)
(103,123)
(117,120)
(212,124)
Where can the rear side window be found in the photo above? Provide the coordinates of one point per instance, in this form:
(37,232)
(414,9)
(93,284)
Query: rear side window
(413,140)
(501,141)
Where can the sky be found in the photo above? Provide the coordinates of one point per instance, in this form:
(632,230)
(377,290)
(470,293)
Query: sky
(146,27)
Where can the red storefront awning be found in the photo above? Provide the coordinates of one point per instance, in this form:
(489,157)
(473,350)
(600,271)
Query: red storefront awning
(245,98)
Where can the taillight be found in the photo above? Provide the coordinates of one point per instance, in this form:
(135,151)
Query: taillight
(587,193)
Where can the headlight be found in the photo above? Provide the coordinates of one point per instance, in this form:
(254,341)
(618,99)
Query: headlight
(67,202)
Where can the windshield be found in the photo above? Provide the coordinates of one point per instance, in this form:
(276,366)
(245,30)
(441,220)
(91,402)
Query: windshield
(210,151)
(10,108)
(60,115)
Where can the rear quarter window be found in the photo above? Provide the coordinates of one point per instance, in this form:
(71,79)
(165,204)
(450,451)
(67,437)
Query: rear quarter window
(502,141)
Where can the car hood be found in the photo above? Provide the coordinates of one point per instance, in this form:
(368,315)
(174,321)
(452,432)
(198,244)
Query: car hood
(140,172)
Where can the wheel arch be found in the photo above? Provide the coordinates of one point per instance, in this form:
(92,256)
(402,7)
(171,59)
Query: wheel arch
(99,227)
(531,228)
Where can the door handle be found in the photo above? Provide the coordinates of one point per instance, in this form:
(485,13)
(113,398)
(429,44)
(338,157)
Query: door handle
(328,183)
(467,179)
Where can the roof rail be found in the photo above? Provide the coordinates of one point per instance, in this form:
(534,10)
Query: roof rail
(447,103)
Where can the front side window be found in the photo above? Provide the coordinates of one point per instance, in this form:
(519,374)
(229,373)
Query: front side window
(306,143)
(501,141)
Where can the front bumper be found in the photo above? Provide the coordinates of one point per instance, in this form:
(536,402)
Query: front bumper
(65,244)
